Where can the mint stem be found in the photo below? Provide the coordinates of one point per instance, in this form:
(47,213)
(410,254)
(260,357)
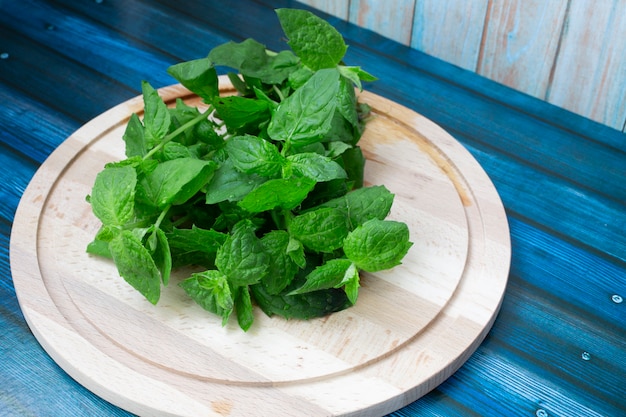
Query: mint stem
(281,97)
(172,135)
(157,224)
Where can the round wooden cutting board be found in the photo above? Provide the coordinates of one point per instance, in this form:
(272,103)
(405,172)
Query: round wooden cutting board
(412,326)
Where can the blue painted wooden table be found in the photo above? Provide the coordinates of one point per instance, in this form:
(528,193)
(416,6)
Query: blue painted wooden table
(558,346)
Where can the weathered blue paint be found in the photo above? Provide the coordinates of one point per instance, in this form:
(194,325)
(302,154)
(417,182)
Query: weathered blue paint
(560,176)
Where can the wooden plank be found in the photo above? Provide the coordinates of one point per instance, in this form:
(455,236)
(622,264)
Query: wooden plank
(541,258)
(520,43)
(8,304)
(170,42)
(535,338)
(450,30)
(57,76)
(205,24)
(91,43)
(553,336)
(524,188)
(392,19)
(590,73)
(17,171)
(29,127)
(337,8)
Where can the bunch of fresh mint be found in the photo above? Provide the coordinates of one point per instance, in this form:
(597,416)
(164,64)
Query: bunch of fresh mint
(264,189)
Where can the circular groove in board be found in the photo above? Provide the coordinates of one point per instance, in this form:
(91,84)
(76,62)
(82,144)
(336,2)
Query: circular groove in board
(411,328)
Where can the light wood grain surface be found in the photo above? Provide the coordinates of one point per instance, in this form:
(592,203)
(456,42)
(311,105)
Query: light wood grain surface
(567,52)
(451,30)
(590,73)
(520,43)
(377,16)
(412,327)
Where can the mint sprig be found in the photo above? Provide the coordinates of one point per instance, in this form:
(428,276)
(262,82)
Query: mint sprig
(263,189)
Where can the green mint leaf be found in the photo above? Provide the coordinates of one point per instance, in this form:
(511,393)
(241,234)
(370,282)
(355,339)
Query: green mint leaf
(364,204)
(180,115)
(99,248)
(134,137)
(198,76)
(331,274)
(141,232)
(262,96)
(347,104)
(175,150)
(133,161)
(252,59)
(315,166)
(239,84)
(196,239)
(352,282)
(135,264)
(335,149)
(306,116)
(253,155)
(300,306)
(230,184)
(321,230)
(354,164)
(162,255)
(315,147)
(342,130)
(141,166)
(299,77)
(113,195)
(356,75)
(175,181)
(156,117)
(282,266)
(276,68)
(100,244)
(282,193)
(316,42)
(239,56)
(325,191)
(211,291)
(242,257)
(281,65)
(205,132)
(377,244)
(241,113)
(230,215)
(295,250)
(243,308)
